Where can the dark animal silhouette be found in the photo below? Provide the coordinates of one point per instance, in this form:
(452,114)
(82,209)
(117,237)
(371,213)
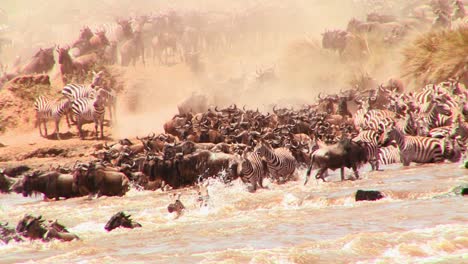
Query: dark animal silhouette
(362,195)
(35,228)
(52,184)
(345,153)
(8,234)
(121,219)
(90,179)
(176,206)
(43,61)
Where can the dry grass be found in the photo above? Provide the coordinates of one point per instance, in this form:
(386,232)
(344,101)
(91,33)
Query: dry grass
(436,56)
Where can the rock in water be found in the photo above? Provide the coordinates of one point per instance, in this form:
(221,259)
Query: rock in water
(464,191)
(362,195)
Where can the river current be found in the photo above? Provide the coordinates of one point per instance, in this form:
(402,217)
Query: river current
(420,220)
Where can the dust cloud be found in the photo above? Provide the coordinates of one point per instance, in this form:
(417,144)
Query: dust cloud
(291,47)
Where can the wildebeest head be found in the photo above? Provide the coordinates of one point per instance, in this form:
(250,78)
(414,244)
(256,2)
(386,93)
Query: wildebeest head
(63,54)
(176,206)
(5,182)
(28,183)
(335,40)
(85,34)
(121,219)
(31,227)
(97,78)
(80,176)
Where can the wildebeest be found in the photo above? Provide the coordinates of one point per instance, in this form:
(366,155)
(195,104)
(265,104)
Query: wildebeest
(345,153)
(349,46)
(121,219)
(176,206)
(43,61)
(82,43)
(89,179)
(195,103)
(68,66)
(35,228)
(52,184)
(8,233)
(15,170)
(6,182)
(132,50)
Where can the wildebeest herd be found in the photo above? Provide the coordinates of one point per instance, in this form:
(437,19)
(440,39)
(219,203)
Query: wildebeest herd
(346,130)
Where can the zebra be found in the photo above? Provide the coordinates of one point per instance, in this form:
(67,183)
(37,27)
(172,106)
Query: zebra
(389,154)
(110,101)
(370,141)
(360,118)
(460,130)
(90,109)
(74,91)
(280,162)
(415,148)
(47,109)
(415,126)
(376,122)
(440,114)
(251,168)
(440,132)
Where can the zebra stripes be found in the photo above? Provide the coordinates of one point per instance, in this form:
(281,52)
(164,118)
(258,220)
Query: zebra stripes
(439,115)
(460,130)
(389,154)
(252,170)
(414,126)
(281,163)
(110,101)
(75,91)
(415,148)
(90,109)
(46,109)
(370,140)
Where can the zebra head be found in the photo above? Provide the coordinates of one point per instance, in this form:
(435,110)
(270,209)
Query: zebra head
(389,133)
(442,107)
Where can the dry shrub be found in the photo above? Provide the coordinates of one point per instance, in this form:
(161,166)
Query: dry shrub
(436,56)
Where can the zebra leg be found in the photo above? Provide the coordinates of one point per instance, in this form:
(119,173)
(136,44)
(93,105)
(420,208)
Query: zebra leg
(102,129)
(110,108)
(96,128)
(45,127)
(39,122)
(68,120)
(252,186)
(405,160)
(78,126)
(57,124)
